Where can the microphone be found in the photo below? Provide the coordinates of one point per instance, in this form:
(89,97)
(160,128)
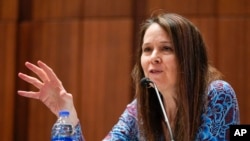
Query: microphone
(147,83)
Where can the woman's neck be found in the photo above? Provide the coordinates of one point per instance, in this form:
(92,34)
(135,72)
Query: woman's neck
(170,106)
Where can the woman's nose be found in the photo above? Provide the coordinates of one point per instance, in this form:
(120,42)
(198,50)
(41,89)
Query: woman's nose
(155,57)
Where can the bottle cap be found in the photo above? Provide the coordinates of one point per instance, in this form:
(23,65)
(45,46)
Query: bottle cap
(64,113)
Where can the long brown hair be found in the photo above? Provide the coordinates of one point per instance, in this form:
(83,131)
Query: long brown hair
(193,73)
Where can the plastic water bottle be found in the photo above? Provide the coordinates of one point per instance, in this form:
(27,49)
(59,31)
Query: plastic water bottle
(62,130)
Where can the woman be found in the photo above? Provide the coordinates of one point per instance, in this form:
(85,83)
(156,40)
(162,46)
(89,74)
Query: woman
(172,54)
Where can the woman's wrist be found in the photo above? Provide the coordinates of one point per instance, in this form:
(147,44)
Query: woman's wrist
(73,117)
(69,105)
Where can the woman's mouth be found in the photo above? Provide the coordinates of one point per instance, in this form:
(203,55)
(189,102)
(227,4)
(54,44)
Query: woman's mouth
(154,71)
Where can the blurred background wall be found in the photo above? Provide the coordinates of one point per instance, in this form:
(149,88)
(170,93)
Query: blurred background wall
(90,45)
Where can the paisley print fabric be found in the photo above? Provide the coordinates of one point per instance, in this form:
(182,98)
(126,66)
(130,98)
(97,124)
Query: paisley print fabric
(222,111)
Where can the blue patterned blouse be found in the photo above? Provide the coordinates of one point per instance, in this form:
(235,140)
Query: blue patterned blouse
(222,111)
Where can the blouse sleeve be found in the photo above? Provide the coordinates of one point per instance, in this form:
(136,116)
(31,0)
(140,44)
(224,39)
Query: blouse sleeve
(221,112)
(126,128)
(78,136)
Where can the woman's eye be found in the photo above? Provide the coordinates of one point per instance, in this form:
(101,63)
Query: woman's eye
(166,48)
(146,49)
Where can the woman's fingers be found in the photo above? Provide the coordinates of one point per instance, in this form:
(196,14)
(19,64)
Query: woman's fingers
(38,71)
(50,73)
(30,94)
(32,80)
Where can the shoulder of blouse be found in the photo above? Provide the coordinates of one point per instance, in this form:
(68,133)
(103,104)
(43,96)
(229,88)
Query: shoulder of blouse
(126,128)
(123,130)
(220,91)
(132,109)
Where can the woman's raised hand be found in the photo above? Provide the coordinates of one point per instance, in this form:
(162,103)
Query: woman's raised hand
(50,90)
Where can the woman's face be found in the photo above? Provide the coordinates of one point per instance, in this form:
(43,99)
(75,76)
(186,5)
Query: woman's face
(158,58)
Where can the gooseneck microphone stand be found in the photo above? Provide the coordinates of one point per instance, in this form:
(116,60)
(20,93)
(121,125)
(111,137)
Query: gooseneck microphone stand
(146,83)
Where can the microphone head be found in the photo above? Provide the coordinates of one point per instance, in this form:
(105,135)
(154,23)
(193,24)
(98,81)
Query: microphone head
(145,82)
